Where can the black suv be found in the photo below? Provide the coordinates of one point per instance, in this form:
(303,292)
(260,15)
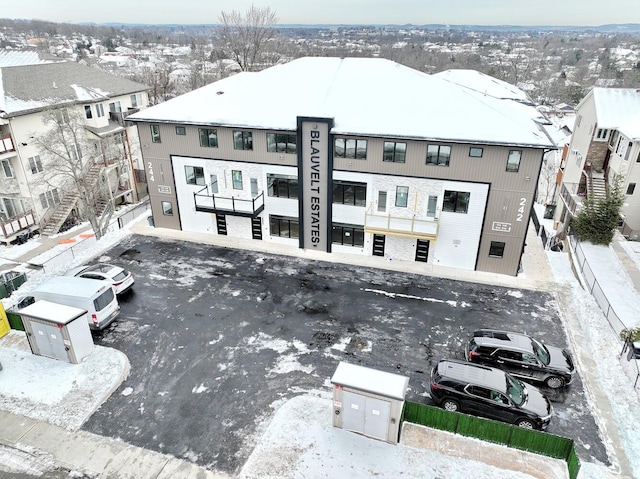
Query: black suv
(522,356)
(489,392)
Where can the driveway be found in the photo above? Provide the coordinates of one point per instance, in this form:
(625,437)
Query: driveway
(219,338)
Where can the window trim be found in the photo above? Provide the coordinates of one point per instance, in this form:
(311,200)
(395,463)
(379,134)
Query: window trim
(236,179)
(276,183)
(356,233)
(631,188)
(36,164)
(287,137)
(6,164)
(246,140)
(358,189)
(345,150)
(496,249)
(165,211)
(473,149)
(181,130)
(290,220)
(394,152)
(155,133)
(88,113)
(205,135)
(456,204)
(406,196)
(510,167)
(438,157)
(198,180)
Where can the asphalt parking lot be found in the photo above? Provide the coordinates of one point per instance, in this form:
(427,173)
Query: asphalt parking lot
(219,338)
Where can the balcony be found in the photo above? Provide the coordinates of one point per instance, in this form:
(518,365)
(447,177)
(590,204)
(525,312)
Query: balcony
(572,195)
(211,203)
(401,226)
(6,145)
(11,228)
(120,116)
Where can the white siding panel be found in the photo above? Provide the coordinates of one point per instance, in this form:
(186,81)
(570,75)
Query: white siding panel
(459,235)
(80,336)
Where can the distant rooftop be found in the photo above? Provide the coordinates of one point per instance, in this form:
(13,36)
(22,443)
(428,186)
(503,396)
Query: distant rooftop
(28,88)
(365,96)
(13,58)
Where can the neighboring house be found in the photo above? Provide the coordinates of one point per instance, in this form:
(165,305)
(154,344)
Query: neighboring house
(350,155)
(605,145)
(29,199)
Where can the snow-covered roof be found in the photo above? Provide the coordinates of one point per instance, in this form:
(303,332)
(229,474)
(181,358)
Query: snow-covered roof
(370,380)
(53,312)
(485,84)
(32,87)
(12,58)
(618,108)
(364,96)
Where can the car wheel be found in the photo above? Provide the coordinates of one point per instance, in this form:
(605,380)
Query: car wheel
(554,382)
(450,405)
(525,424)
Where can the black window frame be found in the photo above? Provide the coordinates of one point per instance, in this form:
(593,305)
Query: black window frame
(195,176)
(275,140)
(473,149)
(166,211)
(155,133)
(392,155)
(510,167)
(282,186)
(242,140)
(439,159)
(351,153)
(205,136)
(459,204)
(347,235)
(349,193)
(406,199)
(276,223)
(87,112)
(631,187)
(181,130)
(496,249)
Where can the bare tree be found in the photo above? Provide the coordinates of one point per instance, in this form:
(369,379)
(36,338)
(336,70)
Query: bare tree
(245,37)
(70,164)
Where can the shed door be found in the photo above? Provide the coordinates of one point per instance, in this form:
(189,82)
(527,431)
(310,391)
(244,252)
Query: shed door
(365,415)
(49,340)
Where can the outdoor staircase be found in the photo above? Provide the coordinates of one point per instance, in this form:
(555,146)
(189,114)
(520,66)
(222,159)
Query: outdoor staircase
(62,211)
(597,186)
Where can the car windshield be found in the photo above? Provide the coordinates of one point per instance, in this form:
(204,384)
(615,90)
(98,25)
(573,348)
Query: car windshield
(541,351)
(516,392)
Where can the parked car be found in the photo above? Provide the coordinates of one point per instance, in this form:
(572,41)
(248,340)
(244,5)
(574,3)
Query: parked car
(121,279)
(489,392)
(522,356)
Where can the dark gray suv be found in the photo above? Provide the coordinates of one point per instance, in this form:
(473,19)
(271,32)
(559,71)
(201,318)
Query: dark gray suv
(522,356)
(488,392)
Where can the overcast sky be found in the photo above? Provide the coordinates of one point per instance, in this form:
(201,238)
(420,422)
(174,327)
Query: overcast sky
(461,12)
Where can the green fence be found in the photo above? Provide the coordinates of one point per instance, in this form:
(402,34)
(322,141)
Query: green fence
(10,281)
(509,435)
(15,321)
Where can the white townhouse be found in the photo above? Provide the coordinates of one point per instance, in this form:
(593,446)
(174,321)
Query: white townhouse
(605,145)
(351,155)
(29,198)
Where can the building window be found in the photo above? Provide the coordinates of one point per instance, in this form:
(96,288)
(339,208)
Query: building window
(49,198)
(513,162)
(155,133)
(432,204)
(242,140)
(347,235)
(394,151)
(62,116)
(283,226)
(455,201)
(496,250)
(631,188)
(35,164)
(382,201)
(402,196)
(6,167)
(136,100)
(236,179)
(115,107)
(181,130)
(214,183)
(87,112)
(281,143)
(167,208)
(475,152)
(208,138)
(194,175)
(438,155)
(350,148)
(602,134)
(282,186)
(99,110)
(349,193)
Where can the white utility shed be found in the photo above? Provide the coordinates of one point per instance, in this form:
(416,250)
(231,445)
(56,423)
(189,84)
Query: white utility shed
(57,331)
(368,401)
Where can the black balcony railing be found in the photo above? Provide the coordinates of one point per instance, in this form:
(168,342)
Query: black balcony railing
(211,203)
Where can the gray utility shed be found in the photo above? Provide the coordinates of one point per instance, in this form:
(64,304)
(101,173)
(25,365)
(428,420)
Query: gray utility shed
(368,401)
(57,331)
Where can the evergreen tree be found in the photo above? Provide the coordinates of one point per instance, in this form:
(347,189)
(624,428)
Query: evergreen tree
(598,219)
